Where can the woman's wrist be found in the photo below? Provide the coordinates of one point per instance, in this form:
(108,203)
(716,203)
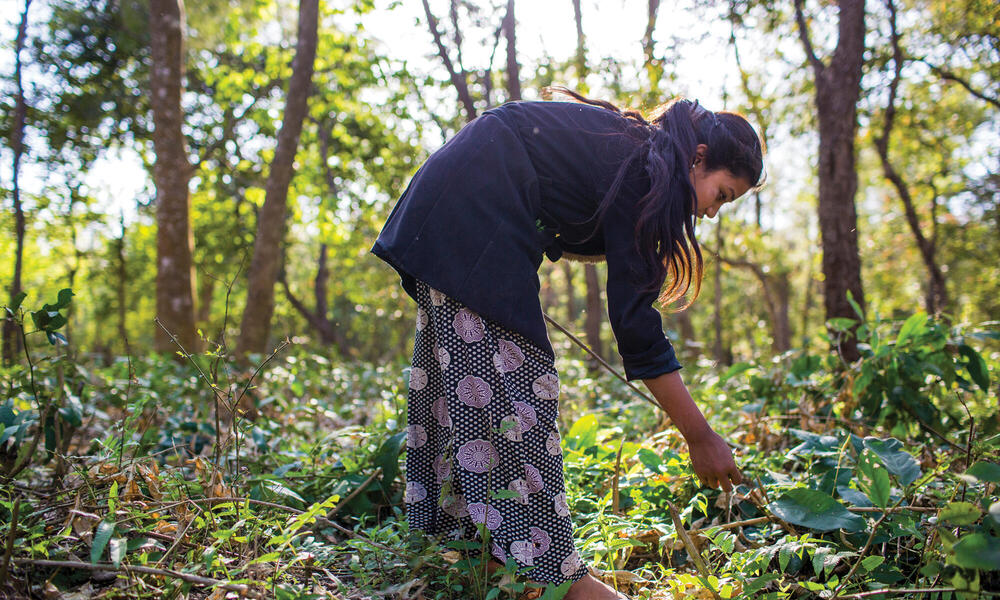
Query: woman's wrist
(671,393)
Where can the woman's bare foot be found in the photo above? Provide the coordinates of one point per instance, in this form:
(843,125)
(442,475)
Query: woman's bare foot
(591,588)
(586,588)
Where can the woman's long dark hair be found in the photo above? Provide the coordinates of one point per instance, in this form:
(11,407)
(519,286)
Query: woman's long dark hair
(665,227)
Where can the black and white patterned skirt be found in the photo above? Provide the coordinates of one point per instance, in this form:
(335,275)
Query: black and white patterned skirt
(483,440)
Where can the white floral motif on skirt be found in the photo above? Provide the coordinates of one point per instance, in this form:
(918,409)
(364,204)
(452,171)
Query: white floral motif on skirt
(483,448)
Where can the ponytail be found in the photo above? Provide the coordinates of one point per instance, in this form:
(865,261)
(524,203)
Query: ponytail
(665,226)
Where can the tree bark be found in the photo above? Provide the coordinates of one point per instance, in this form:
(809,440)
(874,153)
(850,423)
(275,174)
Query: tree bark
(172,172)
(255,327)
(11,339)
(595,313)
(838,87)
(581,50)
(653,65)
(936,299)
(513,69)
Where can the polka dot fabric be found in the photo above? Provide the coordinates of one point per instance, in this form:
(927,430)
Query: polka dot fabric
(483,440)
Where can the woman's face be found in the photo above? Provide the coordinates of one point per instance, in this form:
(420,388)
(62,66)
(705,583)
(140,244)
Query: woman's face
(714,188)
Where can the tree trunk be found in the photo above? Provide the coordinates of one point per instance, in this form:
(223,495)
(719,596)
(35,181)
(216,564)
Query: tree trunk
(255,327)
(174,241)
(936,299)
(206,289)
(513,69)
(581,50)
(567,270)
(838,87)
(595,313)
(653,65)
(689,342)
(11,339)
(719,352)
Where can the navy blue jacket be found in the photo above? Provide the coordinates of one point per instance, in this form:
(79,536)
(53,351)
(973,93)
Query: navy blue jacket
(523,180)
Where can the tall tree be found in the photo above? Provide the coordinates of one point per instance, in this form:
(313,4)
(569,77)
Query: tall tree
(172,172)
(838,87)
(936,299)
(513,69)
(255,327)
(11,343)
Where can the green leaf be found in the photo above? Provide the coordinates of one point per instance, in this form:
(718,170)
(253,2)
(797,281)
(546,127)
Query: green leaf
(841,324)
(960,513)
(583,433)
(976,366)
(18,299)
(65,295)
(898,461)
(871,562)
(915,324)
(735,370)
(815,510)
(985,471)
(105,529)
(978,551)
(117,550)
(504,494)
(387,457)
(878,491)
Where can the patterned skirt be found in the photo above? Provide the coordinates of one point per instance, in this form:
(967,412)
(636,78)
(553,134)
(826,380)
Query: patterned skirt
(483,441)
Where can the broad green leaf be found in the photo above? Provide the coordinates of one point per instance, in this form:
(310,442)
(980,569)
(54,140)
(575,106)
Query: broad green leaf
(913,325)
(976,366)
(978,551)
(65,295)
(735,370)
(898,461)
(815,510)
(18,299)
(960,513)
(871,562)
(105,529)
(387,457)
(878,490)
(985,471)
(841,324)
(583,433)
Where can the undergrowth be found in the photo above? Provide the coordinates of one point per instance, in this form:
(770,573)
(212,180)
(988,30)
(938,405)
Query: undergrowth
(161,478)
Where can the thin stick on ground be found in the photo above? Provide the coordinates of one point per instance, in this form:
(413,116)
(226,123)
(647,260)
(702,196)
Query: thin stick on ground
(129,569)
(692,550)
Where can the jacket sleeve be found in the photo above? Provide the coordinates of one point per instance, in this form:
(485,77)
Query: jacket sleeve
(637,326)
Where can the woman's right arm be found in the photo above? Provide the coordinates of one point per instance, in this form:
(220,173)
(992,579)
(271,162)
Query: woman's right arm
(711,458)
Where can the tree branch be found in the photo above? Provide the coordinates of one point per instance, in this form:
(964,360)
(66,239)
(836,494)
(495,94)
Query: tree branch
(800,21)
(950,76)
(457,79)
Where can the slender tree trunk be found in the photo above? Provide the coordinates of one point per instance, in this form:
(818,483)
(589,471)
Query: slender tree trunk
(595,313)
(936,299)
(838,87)
(255,327)
(513,69)
(174,241)
(653,65)
(718,347)
(206,289)
(567,270)
(581,48)
(11,339)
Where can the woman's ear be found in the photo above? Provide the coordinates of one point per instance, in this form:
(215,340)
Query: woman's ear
(699,153)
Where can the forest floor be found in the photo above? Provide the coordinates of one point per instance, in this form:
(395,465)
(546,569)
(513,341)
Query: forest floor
(142,484)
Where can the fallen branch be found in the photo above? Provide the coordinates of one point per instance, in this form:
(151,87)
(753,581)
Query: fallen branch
(692,550)
(195,579)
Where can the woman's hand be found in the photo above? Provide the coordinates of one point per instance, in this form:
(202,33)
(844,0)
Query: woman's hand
(713,462)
